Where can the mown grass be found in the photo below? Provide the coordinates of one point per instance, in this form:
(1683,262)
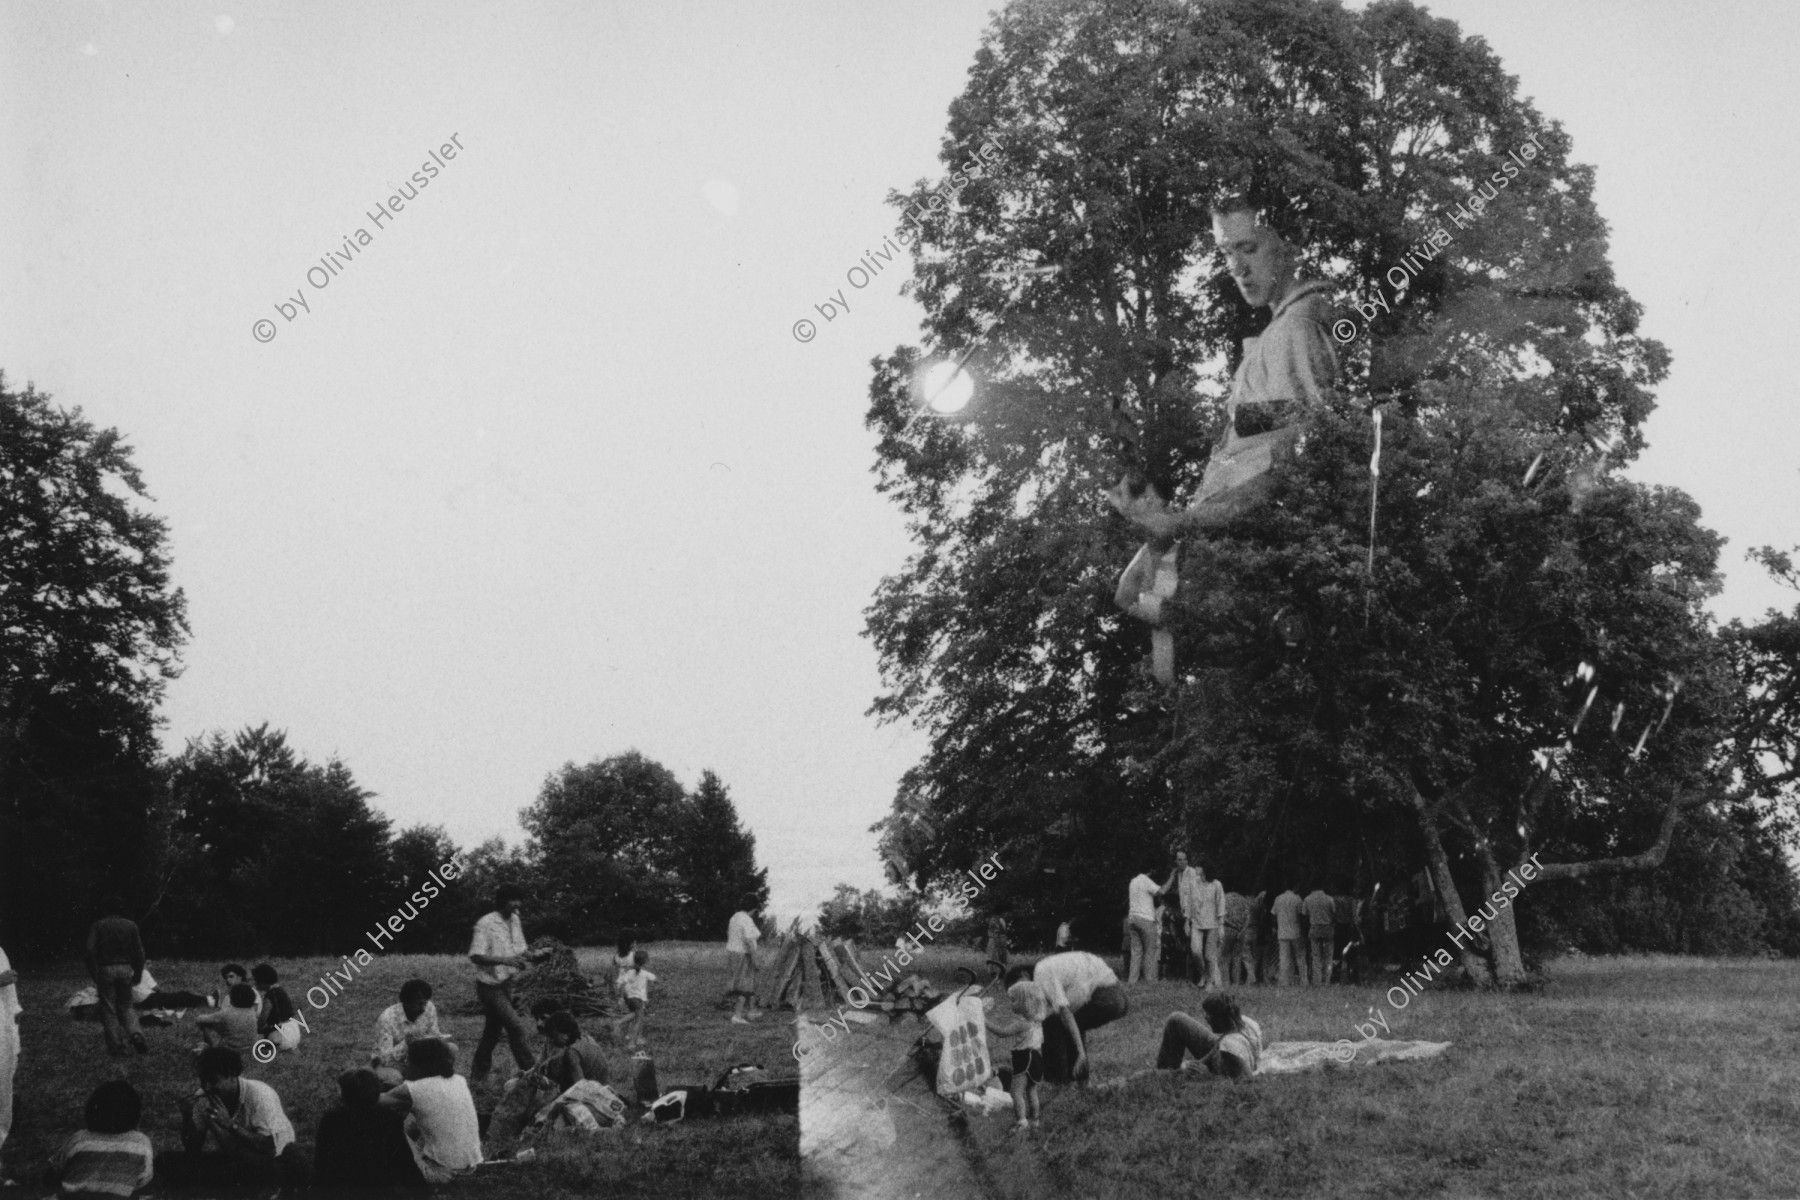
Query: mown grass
(1643,1077)
(750,1157)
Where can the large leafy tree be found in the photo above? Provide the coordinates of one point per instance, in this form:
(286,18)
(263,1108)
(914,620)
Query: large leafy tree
(1362,689)
(90,629)
(619,844)
(269,853)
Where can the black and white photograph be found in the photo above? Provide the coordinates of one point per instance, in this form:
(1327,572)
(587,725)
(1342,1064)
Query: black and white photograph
(950,599)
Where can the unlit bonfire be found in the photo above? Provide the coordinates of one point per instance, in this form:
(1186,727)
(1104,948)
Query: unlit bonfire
(825,971)
(556,977)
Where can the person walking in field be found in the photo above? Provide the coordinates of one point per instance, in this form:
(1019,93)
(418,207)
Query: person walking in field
(635,984)
(115,961)
(500,957)
(1321,914)
(1287,910)
(741,937)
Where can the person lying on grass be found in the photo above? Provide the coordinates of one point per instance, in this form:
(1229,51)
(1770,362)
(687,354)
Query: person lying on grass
(245,1118)
(109,1157)
(441,1125)
(1231,1047)
(414,1019)
(1030,1007)
(361,1148)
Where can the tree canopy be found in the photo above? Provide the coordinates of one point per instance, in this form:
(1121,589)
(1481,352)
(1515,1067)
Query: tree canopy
(1442,678)
(618,843)
(90,629)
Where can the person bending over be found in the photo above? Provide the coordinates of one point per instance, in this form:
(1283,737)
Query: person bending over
(1083,994)
(245,1119)
(1230,1044)
(361,1148)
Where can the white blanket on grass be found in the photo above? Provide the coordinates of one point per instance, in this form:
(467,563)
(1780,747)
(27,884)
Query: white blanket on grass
(1286,1058)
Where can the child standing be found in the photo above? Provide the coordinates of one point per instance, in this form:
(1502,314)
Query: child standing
(623,962)
(1030,1005)
(635,983)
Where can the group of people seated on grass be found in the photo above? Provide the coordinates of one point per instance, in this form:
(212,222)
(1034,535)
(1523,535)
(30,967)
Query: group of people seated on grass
(246,1012)
(404,1122)
(235,1133)
(1058,1000)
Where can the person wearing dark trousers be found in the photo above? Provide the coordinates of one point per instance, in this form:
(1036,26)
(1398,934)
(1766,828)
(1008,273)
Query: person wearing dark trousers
(1083,994)
(115,962)
(246,1120)
(500,957)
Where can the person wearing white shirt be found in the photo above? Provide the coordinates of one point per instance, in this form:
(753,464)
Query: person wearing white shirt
(1145,932)
(499,955)
(9,1041)
(1083,994)
(442,1127)
(741,937)
(245,1118)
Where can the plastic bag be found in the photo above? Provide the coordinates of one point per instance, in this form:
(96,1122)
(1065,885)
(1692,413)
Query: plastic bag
(964,1064)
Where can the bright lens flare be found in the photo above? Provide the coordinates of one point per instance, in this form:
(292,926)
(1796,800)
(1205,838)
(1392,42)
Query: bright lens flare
(947,388)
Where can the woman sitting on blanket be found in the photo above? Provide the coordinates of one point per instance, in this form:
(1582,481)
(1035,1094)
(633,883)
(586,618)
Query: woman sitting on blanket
(1232,1047)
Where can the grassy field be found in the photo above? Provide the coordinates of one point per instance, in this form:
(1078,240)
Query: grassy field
(750,1157)
(1639,1077)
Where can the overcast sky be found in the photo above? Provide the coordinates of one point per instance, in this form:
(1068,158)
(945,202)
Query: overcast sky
(542,473)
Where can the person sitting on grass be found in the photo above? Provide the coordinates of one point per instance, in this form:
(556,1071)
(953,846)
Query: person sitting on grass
(276,1019)
(362,1148)
(1232,1047)
(635,986)
(573,1055)
(1031,1008)
(402,1024)
(230,975)
(109,1157)
(441,1125)
(234,1028)
(245,1118)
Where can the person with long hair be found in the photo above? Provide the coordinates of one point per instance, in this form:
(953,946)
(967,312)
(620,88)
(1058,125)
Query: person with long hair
(1230,1044)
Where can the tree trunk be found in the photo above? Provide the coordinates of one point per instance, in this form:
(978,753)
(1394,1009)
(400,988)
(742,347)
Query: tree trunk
(1502,931)
(1472,962)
